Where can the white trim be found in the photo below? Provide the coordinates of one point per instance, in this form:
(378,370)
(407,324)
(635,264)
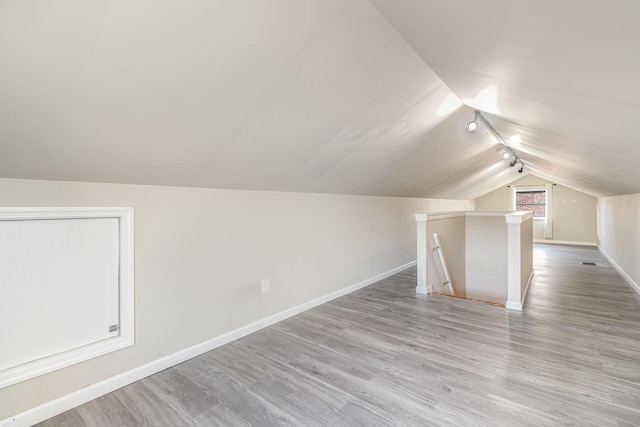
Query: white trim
(442,215)
(125,337)
(512,305)
(16,214)
(564,242)
(93,391)
(628,278)
(487,213)
(515,294)
(518,217)
(421,253)
(435,216)
(422,290)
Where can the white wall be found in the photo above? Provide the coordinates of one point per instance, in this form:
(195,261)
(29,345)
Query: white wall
(619,234)
(200,255)
(486,256)
(574,212)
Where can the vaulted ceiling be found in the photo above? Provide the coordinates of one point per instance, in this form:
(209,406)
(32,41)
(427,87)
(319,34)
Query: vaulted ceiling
(333,96)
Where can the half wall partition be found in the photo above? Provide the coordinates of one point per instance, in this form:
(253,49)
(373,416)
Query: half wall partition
(489,255)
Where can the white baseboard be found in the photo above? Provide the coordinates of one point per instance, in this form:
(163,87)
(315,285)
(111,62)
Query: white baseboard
(564,242)
(515,305)
(628,278)
(64,403)
(421,290)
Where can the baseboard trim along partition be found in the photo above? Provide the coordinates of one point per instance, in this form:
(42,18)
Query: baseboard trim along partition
(564,242)
(628,278)
(64,403)
(517,306)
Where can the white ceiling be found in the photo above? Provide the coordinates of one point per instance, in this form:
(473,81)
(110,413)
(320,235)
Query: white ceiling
(562,75)
(331,96)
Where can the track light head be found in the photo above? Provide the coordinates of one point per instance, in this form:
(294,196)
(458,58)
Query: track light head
(506,152)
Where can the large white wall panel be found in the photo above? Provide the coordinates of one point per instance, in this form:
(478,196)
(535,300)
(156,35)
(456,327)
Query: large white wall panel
(59,282)
(66,284)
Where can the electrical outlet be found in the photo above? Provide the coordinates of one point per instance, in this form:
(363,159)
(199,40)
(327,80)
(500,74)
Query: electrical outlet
(265,285)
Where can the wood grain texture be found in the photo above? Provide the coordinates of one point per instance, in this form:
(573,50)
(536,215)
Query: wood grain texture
(384,356)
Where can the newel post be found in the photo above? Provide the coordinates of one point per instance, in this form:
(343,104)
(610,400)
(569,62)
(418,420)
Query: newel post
(421,227)
(514,271)
(519,258)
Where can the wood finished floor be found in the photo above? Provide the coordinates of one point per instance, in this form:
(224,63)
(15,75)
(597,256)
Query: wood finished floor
(384,356)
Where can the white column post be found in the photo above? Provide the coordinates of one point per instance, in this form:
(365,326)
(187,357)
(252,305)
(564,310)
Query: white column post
(421,227)
(514,274)
(515,289)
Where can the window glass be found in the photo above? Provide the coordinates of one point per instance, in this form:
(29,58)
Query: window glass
(534,201)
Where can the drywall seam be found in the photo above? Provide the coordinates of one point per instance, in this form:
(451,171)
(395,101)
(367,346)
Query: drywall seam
(71,400)
(628,278)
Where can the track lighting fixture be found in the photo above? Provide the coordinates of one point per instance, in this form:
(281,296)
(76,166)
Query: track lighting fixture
(507,152)
(473,124)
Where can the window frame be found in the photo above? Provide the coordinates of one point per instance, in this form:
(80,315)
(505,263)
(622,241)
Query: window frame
(530,189)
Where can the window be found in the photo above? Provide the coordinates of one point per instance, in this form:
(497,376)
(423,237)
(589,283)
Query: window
(531,200)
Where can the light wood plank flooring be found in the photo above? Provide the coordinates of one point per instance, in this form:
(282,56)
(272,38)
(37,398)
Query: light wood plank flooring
(384,356)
